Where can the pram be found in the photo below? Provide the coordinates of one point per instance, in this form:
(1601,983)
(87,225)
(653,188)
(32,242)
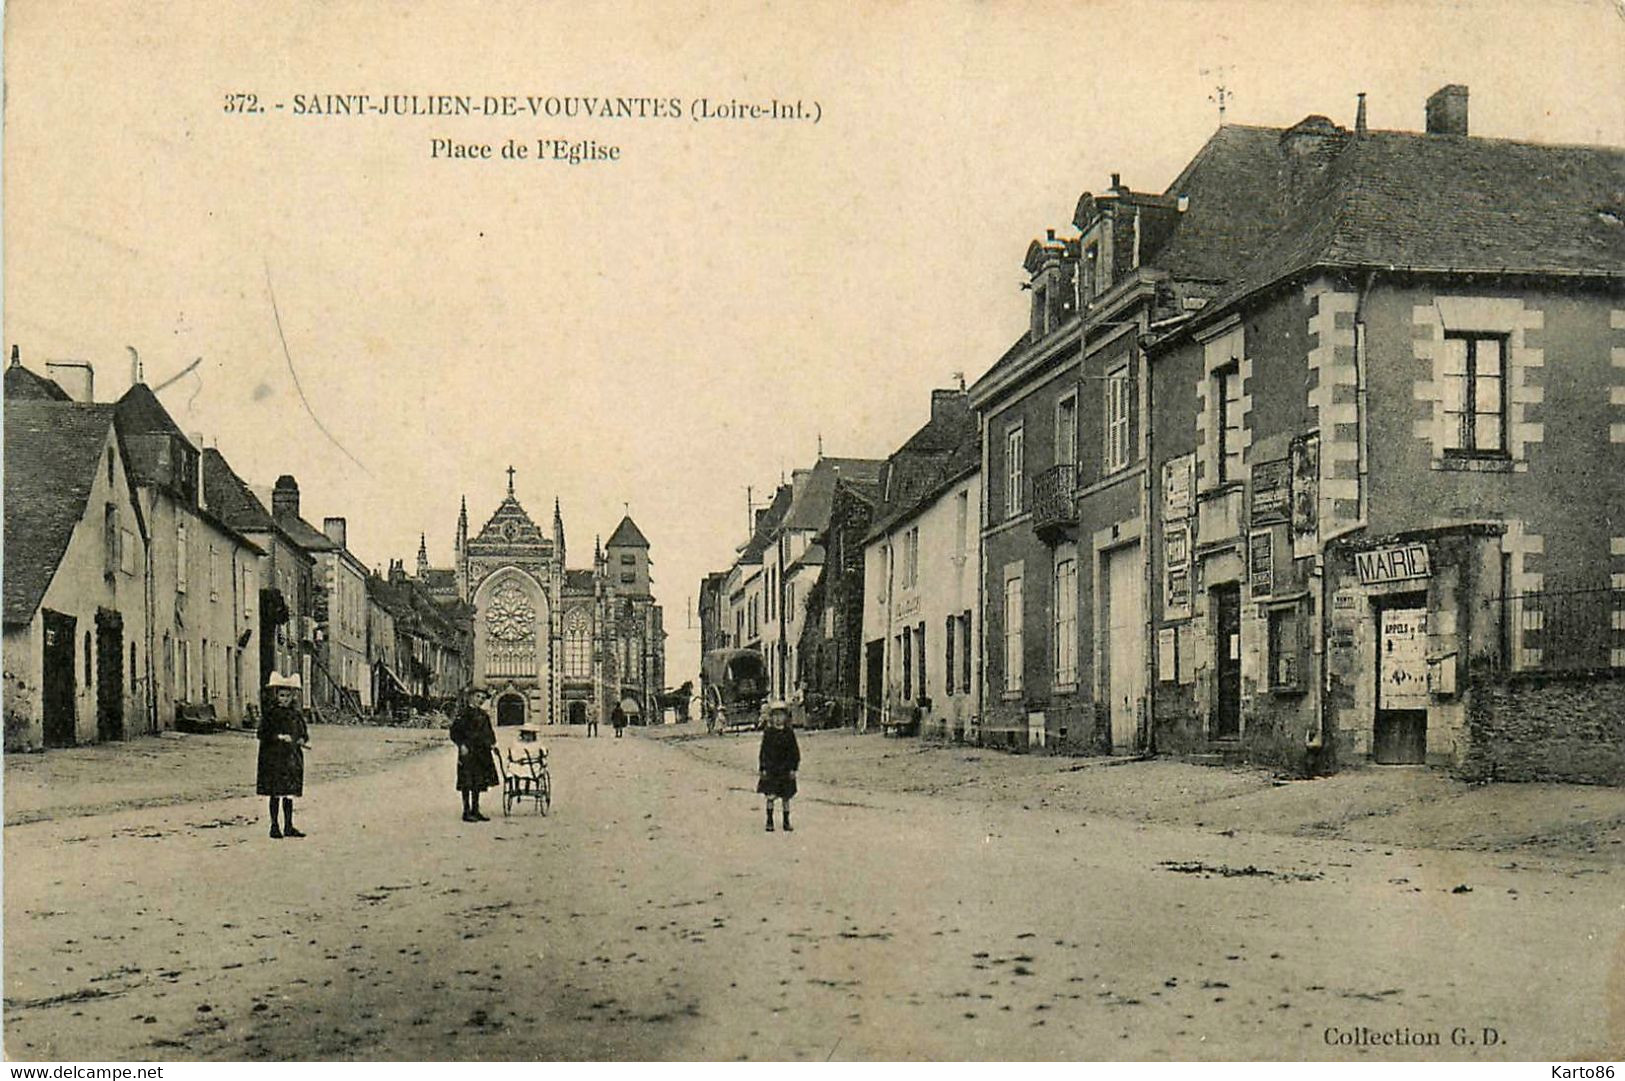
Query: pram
(525,777)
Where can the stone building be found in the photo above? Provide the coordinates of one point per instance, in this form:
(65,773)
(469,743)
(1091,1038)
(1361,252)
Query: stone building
(77,663)
(554,644)
(922,569)
(1398,434)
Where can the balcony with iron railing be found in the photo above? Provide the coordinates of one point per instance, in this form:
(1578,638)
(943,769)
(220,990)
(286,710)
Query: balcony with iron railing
(1055,503)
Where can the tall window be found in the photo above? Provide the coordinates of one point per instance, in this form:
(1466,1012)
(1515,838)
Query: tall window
(577,646)
(911,557)
(907,642)
(1092,284)
(919,657)
(948,655)
(964,651)
(1013,471)
(180,557)
(1475,393)
(1012,633)
(1118,391)
(1227,388)
(110,538)
(1066,430)
(214,574)
(1066,621)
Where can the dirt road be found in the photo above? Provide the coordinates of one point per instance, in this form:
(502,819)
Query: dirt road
(651,917)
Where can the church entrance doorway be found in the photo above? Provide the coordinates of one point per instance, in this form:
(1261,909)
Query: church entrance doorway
(578,713)
(510,710)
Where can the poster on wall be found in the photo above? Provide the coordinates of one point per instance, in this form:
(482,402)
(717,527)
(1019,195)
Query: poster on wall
(1178,481)
(1176,577)
(1272,492)
(1176,593)
(1261,563)
(1305,495)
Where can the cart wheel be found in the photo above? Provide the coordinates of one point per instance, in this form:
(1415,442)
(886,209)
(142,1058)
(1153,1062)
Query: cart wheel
(507,802)
(544,798)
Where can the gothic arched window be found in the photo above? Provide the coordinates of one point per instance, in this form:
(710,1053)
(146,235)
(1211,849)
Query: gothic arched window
(577,646)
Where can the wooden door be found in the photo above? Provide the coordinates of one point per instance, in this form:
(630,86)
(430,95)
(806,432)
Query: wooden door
(1400,737)
(1227,661)
(59,686)
(1125,644)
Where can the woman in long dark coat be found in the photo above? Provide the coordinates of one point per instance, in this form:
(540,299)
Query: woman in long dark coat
(283,737)
(617,717)
(779,759)
(476,746)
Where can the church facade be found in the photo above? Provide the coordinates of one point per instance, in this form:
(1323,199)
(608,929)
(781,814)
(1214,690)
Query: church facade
(555,645)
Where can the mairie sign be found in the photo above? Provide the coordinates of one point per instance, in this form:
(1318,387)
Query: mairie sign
(1395,563)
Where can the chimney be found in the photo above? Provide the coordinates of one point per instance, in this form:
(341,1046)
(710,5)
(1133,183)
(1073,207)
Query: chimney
(1359,115)
(75,377)
(285,497)
(948,403)
(1447,111)
(335,530)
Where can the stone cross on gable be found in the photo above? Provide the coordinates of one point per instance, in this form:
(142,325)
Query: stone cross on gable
(510,480)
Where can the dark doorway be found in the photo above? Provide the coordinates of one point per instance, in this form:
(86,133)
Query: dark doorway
(59,684)
(109,674)
(510,710)
(874,659)
(578,713)
(1227,660)
(1400,735)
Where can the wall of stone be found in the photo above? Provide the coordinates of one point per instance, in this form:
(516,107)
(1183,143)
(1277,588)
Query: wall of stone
(1557,727)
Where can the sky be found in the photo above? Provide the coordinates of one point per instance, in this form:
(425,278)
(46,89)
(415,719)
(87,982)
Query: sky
(663,331)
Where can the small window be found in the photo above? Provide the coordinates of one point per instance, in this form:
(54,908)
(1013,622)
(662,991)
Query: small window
(1227,395)
(1286,649)
(1118,393)
(1012,635)
(964,652)
(1475,394)
(1013,471)
(1066,430)
(1066,621)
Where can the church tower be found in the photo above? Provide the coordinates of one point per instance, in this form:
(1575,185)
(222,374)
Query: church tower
(459,551)
(423,557)
(628,556)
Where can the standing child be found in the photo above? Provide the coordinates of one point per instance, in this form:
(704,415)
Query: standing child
(476,743)
(779,759)
(280,773)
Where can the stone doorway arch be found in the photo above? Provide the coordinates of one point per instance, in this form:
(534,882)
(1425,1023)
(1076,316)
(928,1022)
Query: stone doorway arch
(578,713)
(510,710)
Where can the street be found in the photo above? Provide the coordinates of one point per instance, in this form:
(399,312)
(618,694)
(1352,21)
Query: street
(650,917)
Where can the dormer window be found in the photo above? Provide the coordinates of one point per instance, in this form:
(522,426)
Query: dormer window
(1040,311)
(1092,284)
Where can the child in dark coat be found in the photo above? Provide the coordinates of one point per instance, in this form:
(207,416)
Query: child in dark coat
(779,759)
(476,743)
(280,772)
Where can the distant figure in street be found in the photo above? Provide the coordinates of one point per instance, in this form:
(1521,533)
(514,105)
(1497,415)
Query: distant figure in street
(778,762)
(617,717)
(283,737)
(592,723)
(476,748)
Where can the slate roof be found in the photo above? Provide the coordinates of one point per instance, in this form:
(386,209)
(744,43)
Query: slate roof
(578,581)
(811,508)
(229,497)
(627,535)
(1405,200)
(766,526)
(24,384)
(440,578)
(946,449)
(52,450)
(510,512)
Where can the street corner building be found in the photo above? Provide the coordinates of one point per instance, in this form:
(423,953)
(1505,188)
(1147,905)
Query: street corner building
(76,665)
(553,644)
(1315,458)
